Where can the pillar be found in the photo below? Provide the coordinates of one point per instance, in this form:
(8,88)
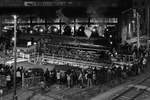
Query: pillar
(147,20)
(138,30)
(0,26)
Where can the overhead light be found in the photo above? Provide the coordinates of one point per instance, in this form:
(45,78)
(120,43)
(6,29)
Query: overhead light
(111,42)
(13,38)
(133,21)
(94,30)
(77,27)
(55,29)
(35,43)
(31,31)
(72,28)
(110,36)
(5,28)
(81,28)
(41,30)
(116,53)
(14,16)
(29,43)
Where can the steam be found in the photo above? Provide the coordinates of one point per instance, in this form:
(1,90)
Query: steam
(92,12)
(61,16)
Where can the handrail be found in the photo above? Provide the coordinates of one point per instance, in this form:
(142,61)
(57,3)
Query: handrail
(31,81)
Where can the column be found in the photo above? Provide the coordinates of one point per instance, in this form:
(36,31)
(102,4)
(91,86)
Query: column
(129,30)
(60,25)
(147,20)
(0,26)
(138,30)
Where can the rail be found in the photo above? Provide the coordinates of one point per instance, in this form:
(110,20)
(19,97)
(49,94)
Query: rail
(132,88)
(129,89)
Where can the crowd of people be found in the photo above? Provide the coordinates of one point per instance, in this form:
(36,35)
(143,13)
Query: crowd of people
(78,76)
(120,70)
(7,73)
(93,76)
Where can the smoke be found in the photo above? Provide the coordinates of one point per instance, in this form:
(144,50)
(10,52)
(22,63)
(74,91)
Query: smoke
(92,11)
(95,15)
(61,16)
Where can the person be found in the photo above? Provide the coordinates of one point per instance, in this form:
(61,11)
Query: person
(94,78)
(58,77)
(42,85)
(18,75)
(46,76)
(124,71)
(63,77)
(85,79)
(89,78)
(8,80)
(109,73)
(81,79)
(144,62)
(75,77)
(2,71)
(71,77)
(69,80)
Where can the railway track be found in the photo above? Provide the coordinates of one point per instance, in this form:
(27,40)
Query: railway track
(138,91)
